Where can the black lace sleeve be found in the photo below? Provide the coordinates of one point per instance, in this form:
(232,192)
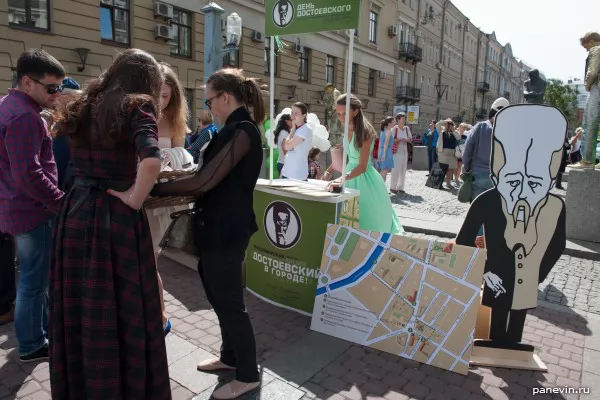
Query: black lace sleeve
(145,132)
(211,173)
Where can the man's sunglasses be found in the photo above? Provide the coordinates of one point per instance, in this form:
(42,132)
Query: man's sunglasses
(51,88)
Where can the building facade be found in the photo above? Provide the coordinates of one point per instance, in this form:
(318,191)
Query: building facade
(86,36)
(453,69)
(407,52)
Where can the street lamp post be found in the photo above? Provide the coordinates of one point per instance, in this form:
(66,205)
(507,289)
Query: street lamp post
(440,90)
(213,42)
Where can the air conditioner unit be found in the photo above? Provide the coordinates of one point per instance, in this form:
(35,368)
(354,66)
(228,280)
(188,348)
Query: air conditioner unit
(258,36)
(163,10)
(162,31)
(382,75)
(298,48)
(393,30)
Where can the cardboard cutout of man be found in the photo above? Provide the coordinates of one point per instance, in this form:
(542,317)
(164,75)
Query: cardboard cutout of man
(524,223)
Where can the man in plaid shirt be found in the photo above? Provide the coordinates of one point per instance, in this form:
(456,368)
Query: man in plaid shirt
(29,196)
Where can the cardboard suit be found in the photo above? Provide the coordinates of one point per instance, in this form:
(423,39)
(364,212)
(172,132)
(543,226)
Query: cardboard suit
(524,223)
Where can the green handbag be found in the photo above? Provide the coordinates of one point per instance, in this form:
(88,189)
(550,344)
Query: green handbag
(466,190)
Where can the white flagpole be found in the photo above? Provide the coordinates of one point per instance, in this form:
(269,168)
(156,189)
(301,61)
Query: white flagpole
(271,105)
(347,115)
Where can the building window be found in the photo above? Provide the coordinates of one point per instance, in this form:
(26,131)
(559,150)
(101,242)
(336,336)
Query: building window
(181,45)
(29,13)
(114,20)
(373,24)
(189,99)
(353,80)
(371,86)
(330,69)
(303,65)
(268,57)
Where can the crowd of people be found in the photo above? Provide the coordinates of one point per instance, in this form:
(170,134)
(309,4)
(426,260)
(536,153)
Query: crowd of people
(76,166)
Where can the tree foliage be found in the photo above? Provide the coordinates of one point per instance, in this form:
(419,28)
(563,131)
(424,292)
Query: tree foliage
(564,98)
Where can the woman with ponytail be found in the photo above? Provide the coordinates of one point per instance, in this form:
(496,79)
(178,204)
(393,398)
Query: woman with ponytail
(225,220)
(376,212)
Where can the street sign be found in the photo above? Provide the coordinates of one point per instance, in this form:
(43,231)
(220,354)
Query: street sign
(285,17)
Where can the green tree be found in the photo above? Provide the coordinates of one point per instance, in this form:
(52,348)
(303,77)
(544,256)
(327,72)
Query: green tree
(564,98)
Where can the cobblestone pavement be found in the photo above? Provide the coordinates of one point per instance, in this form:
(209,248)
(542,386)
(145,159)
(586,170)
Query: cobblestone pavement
(573,282)
(421,198)
(357,373)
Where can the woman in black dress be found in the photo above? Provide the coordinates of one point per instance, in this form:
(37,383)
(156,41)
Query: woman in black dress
(106,333)
(224,218)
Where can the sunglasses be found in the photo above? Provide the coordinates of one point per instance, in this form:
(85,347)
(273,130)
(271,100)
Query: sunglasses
(51,88)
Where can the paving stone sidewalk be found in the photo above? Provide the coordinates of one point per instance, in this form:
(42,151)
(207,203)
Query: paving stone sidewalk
(421,198)
(299,364)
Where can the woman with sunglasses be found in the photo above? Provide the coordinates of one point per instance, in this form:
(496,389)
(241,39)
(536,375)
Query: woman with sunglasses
(225,220)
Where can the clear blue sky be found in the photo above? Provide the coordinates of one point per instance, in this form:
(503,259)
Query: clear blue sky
(550,41)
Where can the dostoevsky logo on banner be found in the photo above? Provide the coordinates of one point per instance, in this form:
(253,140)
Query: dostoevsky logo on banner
(282,225)
(283,13)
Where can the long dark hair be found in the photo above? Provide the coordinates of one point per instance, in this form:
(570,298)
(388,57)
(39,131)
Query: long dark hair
(281,126)
(363,130)
(385,122)
(134,78)
(247,91)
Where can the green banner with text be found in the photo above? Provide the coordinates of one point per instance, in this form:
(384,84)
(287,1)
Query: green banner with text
(286,17)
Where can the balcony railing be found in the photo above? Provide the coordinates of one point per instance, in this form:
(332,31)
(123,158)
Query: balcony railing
(410,52)
(483,87)
(408,94)
(481,113)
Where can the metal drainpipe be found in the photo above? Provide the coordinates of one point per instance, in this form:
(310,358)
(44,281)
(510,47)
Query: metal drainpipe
(440,60)
(485,70)
(462,64)
(417,26)
(477,73)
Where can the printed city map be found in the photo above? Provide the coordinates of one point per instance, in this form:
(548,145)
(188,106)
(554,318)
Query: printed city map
(414,298)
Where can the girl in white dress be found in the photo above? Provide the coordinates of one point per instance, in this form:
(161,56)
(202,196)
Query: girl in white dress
(172,128)
(402,136)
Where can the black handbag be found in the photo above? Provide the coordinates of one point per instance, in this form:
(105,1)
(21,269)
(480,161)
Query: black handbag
(436,176)
(181,232)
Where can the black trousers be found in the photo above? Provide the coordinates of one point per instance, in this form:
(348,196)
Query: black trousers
(507,325)
(221,274)
(8,289)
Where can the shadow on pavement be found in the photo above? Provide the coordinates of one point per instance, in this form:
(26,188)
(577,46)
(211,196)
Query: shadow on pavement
(183,284)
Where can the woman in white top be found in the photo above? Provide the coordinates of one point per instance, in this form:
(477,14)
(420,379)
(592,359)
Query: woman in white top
(575,154)
(297,145)
(281,132)
(172,128)
(402,136)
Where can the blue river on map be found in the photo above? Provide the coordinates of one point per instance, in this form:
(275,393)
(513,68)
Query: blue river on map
(365,268)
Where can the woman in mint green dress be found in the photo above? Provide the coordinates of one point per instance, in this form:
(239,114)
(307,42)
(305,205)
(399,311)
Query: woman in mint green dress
(376,212)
